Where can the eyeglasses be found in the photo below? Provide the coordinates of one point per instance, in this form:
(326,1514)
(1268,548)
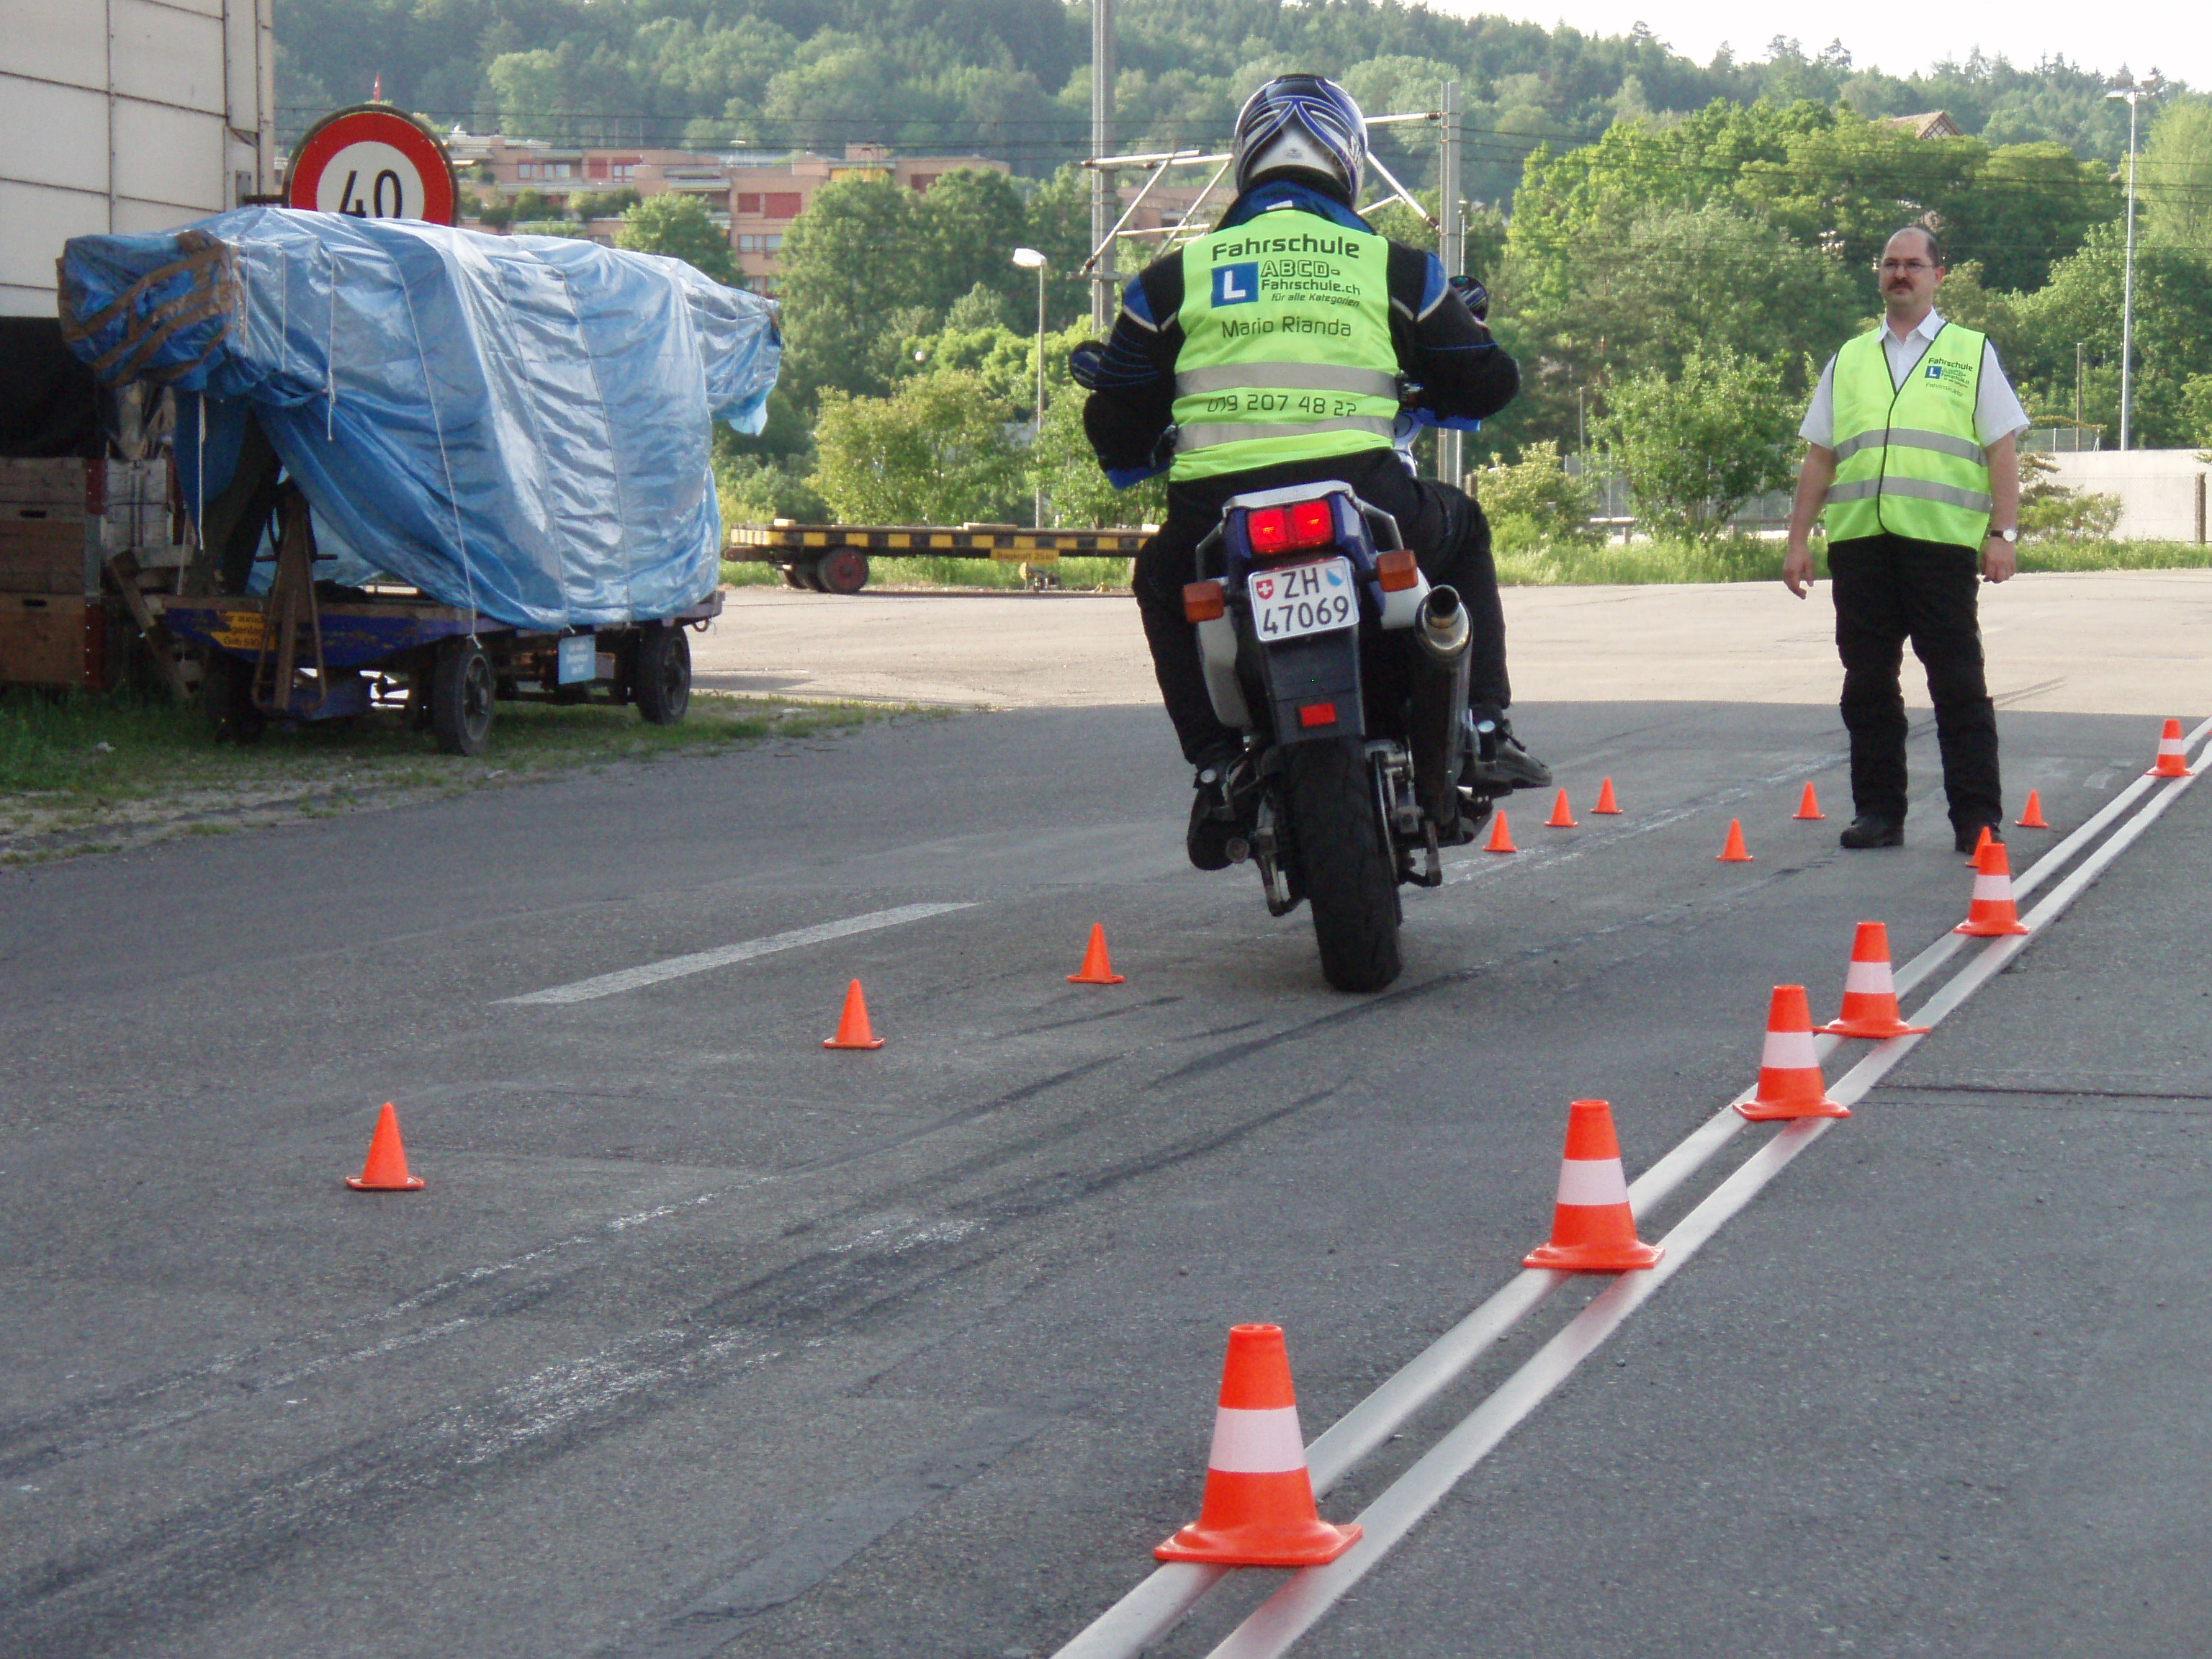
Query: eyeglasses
(1903,266)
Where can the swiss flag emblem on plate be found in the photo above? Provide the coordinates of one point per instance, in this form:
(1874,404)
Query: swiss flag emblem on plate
(1264,586)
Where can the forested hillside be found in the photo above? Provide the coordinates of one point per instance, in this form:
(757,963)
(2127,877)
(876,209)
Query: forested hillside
(1011,78)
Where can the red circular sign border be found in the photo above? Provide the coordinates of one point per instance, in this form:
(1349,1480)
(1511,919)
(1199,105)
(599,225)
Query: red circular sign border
(394,127)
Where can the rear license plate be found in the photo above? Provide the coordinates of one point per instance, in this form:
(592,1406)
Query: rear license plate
(1306,599)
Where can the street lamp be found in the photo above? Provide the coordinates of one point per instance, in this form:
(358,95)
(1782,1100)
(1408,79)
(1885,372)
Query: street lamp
(2134,92)
(1030,260)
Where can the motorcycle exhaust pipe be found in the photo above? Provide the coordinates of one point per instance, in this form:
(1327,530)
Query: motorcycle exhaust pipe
(1442,637)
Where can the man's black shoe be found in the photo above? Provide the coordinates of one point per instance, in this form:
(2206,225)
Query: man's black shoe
(1215,820)
(1968,837)
(1497,764)
(1872,831)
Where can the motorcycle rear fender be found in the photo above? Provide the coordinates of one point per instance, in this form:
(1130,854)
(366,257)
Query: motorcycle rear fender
(1303,674)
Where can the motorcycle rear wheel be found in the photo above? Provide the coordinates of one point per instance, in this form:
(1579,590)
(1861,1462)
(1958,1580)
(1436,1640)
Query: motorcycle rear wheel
(1329,801)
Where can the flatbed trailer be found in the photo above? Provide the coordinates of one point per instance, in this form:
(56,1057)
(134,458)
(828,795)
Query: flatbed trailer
(833,558)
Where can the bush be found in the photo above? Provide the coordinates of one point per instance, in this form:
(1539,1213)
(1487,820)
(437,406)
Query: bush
(1696,448)
(935,451)
(1534,499)
(2051,512)
(757,490)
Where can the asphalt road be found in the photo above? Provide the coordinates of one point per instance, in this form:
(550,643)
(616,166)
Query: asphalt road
(701,1339)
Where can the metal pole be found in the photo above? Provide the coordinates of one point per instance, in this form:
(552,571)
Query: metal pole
(1103,192)
(1451,248)
(1040,413)
(2128,286)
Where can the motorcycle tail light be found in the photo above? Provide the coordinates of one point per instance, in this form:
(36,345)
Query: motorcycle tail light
(1317,714)
(1396,570)
(1290,529)
(1202,602)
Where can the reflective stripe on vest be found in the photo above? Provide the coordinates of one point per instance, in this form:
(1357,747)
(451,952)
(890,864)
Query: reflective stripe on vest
(1286,352)
(1286,377)
(1909,460)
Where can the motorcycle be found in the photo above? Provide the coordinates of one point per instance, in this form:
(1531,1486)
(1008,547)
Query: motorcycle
(1346,672)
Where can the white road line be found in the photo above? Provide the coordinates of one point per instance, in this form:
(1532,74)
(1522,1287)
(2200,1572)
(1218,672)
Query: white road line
(1161,1600)
(700,961)
(1300,1604)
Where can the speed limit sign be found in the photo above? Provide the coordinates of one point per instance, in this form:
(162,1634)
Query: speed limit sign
(372,162)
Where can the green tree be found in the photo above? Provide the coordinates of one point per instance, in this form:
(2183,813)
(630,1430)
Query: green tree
(966,227)
(2083,302)
(1696,447)
(850,265)
(755,489)
(935,451)
(679,226)
(1059,227)
(2175,175)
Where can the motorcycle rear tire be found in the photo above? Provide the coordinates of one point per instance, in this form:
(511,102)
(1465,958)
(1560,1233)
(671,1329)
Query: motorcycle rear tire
(1344,861)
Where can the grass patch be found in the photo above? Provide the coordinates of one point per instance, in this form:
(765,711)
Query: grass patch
(81,772)
(1748,559)
(1087,575)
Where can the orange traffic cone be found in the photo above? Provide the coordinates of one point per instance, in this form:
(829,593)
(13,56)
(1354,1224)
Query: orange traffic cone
(2173,761)
(1501,838)
(1562,817)
(1593,1230)
(1869,992)
(1098,967)
(1992,912)
(1809,805)
(2031,817)
(1981,841)
(1607,806)
(852,1030)
(1789,1084)
(386,1171)
(1735,852)
(1259,1510)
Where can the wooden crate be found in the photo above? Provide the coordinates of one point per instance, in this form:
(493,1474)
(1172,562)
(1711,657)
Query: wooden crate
(42,555)
(49,639)
(65,485)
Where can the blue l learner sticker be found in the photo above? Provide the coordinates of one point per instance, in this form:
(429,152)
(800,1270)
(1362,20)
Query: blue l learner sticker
(1236,285)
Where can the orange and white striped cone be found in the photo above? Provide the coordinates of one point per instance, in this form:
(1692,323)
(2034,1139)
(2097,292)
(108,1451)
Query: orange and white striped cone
(1789,1084)
(1259,1508)
(1870,991)
(1992,913)
(1593,1229)
(2172,757)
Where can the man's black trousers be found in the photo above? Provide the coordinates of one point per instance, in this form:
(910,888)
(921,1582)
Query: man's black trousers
(1889,589)
(1445,529)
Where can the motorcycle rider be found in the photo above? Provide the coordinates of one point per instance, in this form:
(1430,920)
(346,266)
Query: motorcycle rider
(1274,351)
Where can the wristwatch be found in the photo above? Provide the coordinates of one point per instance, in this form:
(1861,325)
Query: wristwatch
(2010,537)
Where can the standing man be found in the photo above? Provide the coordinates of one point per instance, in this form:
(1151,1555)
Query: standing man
(1910,453)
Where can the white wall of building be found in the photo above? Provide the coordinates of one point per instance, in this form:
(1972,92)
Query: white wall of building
(2161,491)
(126,115)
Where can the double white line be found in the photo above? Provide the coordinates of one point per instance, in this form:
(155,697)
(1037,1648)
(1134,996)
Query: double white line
(1149,1611)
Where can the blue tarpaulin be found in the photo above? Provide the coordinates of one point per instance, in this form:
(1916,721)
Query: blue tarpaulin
(518,425)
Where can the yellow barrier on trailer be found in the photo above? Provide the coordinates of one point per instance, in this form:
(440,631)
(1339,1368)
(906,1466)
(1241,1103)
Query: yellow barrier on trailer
(833,558)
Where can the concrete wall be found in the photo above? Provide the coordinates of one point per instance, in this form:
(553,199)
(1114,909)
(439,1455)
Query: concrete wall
(125,115)
(2161,491)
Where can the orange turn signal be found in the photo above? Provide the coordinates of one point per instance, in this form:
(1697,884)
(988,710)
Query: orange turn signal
(1202,601)
(1396,570)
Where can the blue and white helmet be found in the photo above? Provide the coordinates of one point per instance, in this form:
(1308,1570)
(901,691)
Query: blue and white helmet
(1301,124)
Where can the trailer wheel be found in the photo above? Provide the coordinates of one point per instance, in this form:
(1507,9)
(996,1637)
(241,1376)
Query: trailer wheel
(842,570)
(662,683)
(795,575)
(227,694)
(462,690)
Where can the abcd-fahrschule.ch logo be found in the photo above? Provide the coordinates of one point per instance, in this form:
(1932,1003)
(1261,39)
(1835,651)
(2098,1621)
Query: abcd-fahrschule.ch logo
(1237,284)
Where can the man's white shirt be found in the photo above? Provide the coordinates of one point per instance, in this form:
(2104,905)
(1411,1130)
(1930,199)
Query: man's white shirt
(1998,411)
